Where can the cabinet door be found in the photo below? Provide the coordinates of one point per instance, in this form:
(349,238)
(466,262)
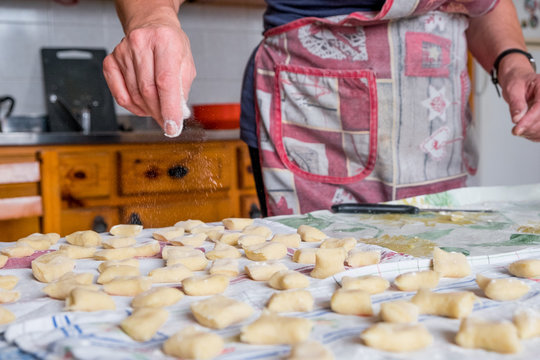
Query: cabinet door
(244,167)
(100,219)
(13,230)
(85,175)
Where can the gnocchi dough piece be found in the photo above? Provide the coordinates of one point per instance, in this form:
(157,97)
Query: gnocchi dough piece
(329,262)
(527,322)
(273,329)
(288,279)
(53,237)
(51,266)
(223,251)
(289,240)
(351,302)
(208,230)
(86,238)
(61,288)
(266,251)
(168,233)
(260,230)
(113,272)
(502,289)
(455,305)
(147,249)
(205,285)
(450,264)
(414,280)
(127,285)
(528,268)
(170,274)
(219,311)
(230,238)
(77,252)
(117,242)
(18,250)
(310,234)
(6,316)
(189,225)
(191,343)
(369,283)
(8,282)
(81,299)
(290,301)
(157,297)
(172,251)
(397,337)
(358,258)
(192,259)
(128,262)
(263,271)
(237,223)
(498,336)
(143,323)
(248,240)
(310,350)
(126,230)
(346,243)
(39,241)
(305,256)
(227,267)
(9,296)
(3,260)
(399,311)
(190,240)
(115,254)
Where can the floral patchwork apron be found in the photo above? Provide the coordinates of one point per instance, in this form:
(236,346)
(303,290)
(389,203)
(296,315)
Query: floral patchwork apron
(365,107)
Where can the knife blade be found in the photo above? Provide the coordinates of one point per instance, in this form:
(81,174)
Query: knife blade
(368,208)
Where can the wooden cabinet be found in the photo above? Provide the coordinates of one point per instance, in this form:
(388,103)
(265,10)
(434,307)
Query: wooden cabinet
(97,186)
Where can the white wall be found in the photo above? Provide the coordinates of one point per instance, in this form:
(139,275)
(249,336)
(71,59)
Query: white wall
(222,37)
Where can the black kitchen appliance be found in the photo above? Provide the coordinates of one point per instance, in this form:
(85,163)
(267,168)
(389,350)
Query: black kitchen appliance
(76,93)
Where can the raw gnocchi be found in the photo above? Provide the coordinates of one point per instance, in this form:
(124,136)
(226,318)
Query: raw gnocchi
(502,289)
(328,262)
(157,297)
(450,264)
(499,336)
(191,343)
(290,301)
(273,329)
(219,312)
(143,323)
(397,337)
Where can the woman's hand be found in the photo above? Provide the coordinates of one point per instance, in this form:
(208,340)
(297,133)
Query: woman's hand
(151,70)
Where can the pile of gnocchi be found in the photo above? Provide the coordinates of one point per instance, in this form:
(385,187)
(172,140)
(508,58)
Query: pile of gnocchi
(208,274)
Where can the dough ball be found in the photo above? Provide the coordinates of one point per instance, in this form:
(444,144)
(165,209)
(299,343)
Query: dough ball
(112,272)
(170,274)
(81,299)
(190,240)
(227,267)
(289,240)
(502,289)
(193,259)
(455,305)
(351,302)
(51,266)
(223,251)
(61,288)
(259,230)
(310,350)
(266,251)
(305,256)
(399,311)
(38,241)
(203,285)
(157,297)
(346,243)
(127,285)
(18,250)
(273,329)
(358,258)
(397,337)
(368,283)
(498,336)
(143,323)
(328,262)
(77,252)
(450,264)
(230,238)
(117,242)
(189,225)
(168,233)
(290,301)
(237,223)
(115,254)
(190,343)
(219,312)
(414,280)
(147,249)
(248,240)
(310,234)
(126,230)
(263,271)
(528,268)
(86,238)
(208,230)
(288,279)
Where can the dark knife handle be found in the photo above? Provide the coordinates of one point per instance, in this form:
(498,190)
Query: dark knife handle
(352,208)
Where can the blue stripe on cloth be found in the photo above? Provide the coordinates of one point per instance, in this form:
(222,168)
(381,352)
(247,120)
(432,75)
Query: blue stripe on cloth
(54,322)
(66,334)
(67,319)
(78,328)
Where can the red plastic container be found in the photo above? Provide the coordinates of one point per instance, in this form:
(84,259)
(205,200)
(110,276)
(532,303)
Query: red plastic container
(218,116)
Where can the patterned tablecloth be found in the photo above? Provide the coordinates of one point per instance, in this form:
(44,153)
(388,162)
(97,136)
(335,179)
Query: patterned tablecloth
(491,240)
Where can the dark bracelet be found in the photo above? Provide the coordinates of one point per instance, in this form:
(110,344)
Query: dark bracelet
(495,69)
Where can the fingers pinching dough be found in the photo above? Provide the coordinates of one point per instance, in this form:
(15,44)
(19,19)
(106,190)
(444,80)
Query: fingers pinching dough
(527,322)
(414,280)
(157,297)
(368,283)
(266,251)
(499,336)
(329,262)
(502,289)
(310,233)
(455,305)
(202,285)
(51,266)
(86,238)
(450,264)
(89,300)
(358,258)
(290,301)
(397,337)
(351,302)
(528,268)
(288,279)
(273,329)
(218,312)
(399,311)
(191,343)
(143,323)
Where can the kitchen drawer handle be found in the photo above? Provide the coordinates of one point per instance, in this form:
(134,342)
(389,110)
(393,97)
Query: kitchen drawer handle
(178,171)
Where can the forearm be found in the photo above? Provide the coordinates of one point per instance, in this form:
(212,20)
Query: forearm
(137,13)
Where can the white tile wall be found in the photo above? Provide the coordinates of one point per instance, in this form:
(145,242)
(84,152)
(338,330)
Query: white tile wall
(222,38)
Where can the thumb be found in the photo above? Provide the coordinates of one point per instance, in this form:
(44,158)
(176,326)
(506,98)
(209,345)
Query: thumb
(517,101)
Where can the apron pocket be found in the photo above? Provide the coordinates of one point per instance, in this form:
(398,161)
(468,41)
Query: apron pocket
(324,123)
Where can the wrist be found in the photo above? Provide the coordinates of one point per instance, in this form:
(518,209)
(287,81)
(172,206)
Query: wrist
(511,61)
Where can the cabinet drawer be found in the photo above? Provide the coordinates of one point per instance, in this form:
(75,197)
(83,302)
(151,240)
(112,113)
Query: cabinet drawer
(85,175)
(178,169)
(85,219)
(244,167)
(13,230)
